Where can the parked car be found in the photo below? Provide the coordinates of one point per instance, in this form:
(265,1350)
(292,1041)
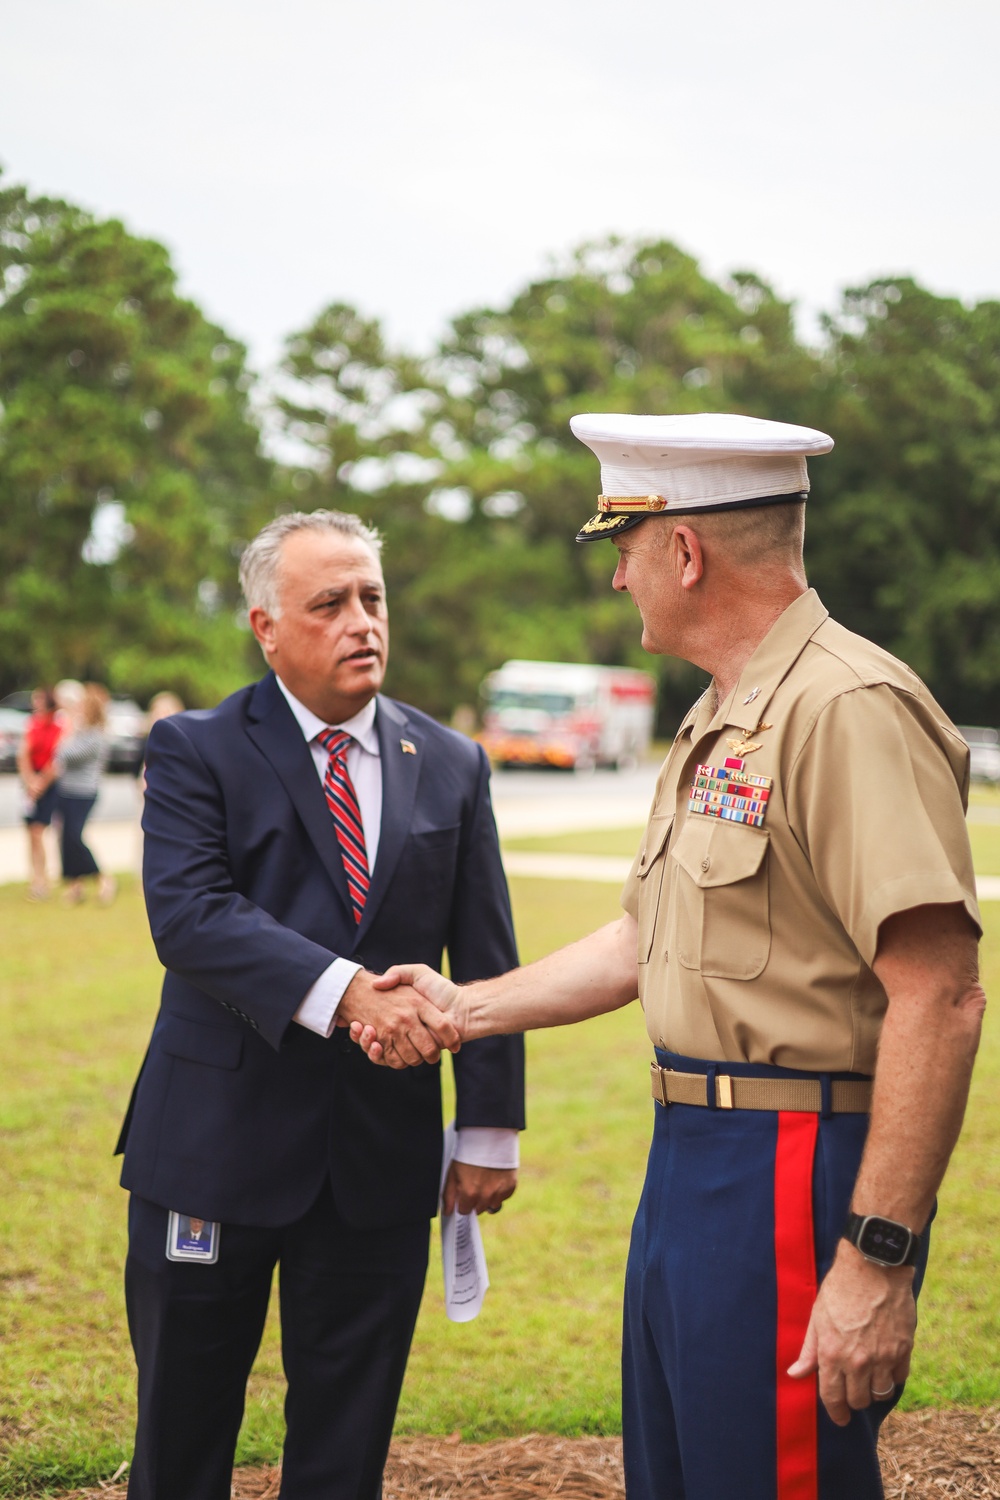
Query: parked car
(126,730)
(21,700)
(12,722)
(984,752)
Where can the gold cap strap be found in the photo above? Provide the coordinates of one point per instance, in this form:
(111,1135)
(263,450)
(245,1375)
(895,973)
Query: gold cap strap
(624,505)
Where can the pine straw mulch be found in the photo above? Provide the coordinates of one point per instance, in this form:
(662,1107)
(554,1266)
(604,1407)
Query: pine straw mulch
(926,1455)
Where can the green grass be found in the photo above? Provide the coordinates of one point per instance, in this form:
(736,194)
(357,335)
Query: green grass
(985,841)
(76,1004)
(984,837)
(77,999)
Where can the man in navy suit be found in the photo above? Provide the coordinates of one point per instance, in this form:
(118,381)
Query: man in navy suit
(287,863)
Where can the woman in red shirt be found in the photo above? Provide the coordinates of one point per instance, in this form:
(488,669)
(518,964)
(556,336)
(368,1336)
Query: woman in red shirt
(37,766)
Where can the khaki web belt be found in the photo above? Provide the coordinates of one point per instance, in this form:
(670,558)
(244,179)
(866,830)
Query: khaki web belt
(848,1096)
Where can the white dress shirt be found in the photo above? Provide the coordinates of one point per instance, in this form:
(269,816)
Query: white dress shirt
(476,1145)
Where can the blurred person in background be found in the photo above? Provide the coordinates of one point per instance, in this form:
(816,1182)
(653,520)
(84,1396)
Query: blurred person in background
(36,767)
(67,693)
(161,706)
(80,760)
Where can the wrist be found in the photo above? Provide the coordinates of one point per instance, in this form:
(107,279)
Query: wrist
(473,1011)
(356,992)
(465,1011)
(887,1243)
(851,1269)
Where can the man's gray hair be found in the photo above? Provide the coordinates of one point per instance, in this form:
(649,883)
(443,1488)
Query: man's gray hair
(259,563)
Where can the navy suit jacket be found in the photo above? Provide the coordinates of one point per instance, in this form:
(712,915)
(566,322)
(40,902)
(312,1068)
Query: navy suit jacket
(239,1113)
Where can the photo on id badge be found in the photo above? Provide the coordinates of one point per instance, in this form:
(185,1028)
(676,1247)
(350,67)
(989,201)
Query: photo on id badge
(189,1238)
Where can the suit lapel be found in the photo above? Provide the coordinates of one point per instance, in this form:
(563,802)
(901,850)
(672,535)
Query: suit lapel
(276,734)
(400,775)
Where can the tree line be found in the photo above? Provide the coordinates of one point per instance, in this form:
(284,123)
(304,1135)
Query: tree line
(134,465)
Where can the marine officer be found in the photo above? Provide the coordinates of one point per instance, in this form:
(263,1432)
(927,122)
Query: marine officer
(801,927)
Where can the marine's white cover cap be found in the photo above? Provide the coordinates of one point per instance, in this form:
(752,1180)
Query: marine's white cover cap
(660,465)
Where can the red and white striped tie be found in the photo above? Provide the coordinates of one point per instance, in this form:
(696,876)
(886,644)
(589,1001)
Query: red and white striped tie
(342,801)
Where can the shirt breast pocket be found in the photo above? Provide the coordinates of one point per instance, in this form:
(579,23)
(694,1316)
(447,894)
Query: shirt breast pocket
(650,872)
(721,923)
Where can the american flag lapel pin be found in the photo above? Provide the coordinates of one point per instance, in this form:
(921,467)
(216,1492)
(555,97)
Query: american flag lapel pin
(408,747)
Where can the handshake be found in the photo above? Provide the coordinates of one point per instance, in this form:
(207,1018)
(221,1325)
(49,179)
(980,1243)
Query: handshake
(407,1016)
(411,1014)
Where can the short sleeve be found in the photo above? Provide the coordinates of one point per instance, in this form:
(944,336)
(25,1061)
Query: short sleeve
(873,800)
(630,890)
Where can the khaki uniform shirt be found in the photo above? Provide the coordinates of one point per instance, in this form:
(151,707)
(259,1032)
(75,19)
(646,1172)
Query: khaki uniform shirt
(756,942)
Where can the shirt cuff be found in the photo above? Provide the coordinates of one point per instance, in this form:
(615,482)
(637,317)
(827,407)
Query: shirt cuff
(318,1011)
(487,1146)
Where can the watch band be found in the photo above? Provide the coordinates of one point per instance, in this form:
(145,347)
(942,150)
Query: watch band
(886,1242)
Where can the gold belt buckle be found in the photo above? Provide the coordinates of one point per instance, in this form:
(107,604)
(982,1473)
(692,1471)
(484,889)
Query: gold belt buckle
(724,1090)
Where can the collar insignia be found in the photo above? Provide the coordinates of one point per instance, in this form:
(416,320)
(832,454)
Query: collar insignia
(744,743)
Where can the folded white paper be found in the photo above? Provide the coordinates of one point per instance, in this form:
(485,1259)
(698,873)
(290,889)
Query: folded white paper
(463,1259)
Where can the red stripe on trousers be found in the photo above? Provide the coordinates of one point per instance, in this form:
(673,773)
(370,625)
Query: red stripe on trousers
(795,1264)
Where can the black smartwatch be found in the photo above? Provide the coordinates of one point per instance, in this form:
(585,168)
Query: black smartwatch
(882,1240)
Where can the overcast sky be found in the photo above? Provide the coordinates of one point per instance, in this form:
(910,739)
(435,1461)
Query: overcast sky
(418,157)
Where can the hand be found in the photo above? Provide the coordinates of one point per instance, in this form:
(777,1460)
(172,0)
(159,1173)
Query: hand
(411,1030)
(860,1334)
(439,992)
(474,1190)
(432,985)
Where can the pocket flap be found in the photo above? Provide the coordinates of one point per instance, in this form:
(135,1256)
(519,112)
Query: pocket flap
(654,842)
(436,838)
(219,1046)
(714,852)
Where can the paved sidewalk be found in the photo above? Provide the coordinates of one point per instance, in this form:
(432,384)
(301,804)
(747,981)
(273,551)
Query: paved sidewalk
(519,807)
(523,817)
(116,847)
(540,866)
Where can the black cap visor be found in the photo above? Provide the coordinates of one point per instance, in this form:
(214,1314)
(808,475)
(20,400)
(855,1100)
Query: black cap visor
(604,525)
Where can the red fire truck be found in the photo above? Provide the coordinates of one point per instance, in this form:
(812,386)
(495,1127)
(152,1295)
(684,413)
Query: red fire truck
(567,714)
